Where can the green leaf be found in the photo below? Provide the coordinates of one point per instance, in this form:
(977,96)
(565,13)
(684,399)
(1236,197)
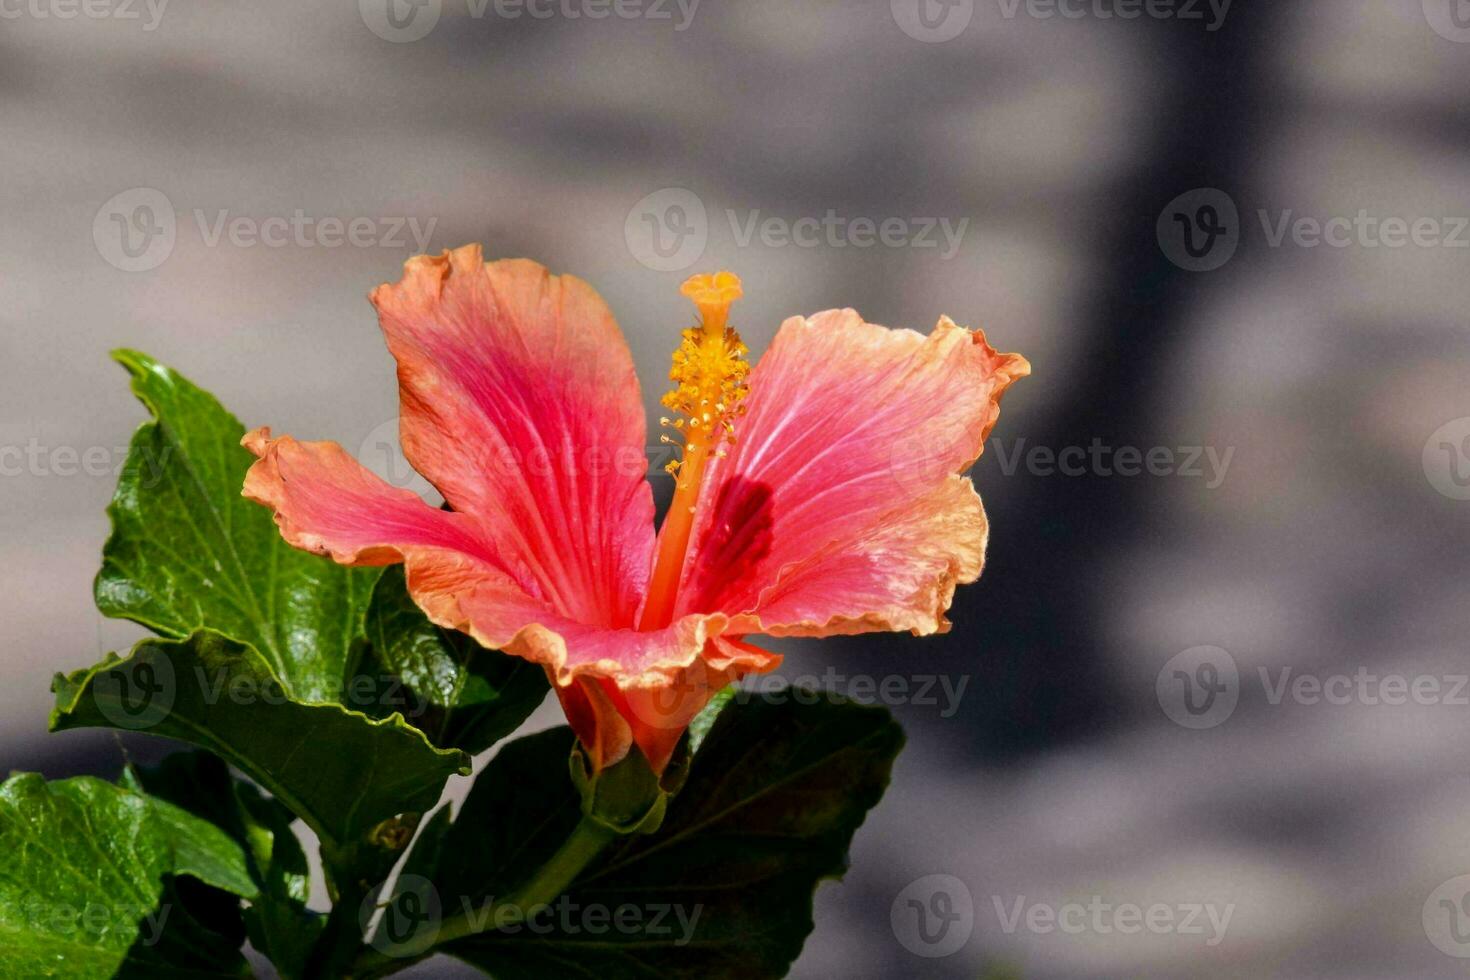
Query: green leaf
(724,887)
(700,727)
(522,806)
(461,694)
(188,552)
(201,928)
(205,851)
(339,770)
(277,921)
(279,924)
(184,790)
(200,934)
(85,868)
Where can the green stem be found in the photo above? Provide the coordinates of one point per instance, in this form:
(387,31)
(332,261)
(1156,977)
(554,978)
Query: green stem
(588,840)
(332,955)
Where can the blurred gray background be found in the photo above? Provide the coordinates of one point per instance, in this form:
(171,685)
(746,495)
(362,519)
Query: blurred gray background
(171,175)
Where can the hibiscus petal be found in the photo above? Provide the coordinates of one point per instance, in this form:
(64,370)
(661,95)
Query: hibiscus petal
(839,510)
(607,718)
(520,404)
(328,503)
(595,719)
(899,574)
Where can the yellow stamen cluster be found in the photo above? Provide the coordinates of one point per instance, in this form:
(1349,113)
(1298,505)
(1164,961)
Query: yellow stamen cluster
(709,372)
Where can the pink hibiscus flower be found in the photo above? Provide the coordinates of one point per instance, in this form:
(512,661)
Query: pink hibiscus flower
(817,494)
